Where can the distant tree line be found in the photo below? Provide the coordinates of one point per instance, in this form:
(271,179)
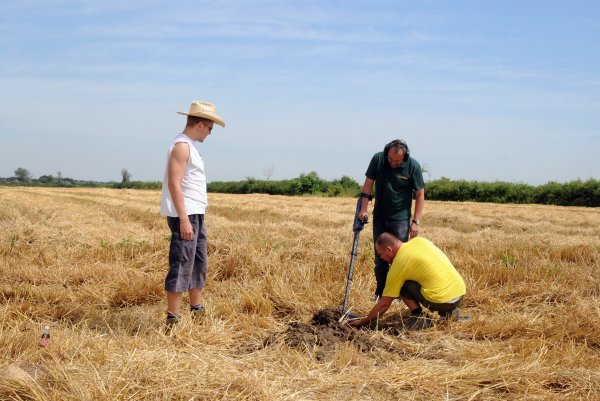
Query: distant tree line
(23,177)
(305,184)
(573,193)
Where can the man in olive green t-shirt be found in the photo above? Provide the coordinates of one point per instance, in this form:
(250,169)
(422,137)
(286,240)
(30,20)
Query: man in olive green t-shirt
(396,176)
(420,274)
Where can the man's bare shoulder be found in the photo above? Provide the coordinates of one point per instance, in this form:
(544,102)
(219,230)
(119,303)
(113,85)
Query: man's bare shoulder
(180,151)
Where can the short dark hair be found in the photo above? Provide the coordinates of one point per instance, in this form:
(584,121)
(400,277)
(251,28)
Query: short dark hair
(193,120)
(386,239)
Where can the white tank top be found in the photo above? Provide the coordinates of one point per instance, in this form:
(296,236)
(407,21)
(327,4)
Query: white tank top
(193,183)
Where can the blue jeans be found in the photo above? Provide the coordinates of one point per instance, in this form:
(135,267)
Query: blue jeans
(400,230)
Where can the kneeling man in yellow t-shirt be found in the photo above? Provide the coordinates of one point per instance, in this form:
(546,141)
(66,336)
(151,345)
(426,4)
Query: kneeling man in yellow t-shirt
(420,274)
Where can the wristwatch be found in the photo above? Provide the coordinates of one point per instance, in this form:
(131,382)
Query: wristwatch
(416,222)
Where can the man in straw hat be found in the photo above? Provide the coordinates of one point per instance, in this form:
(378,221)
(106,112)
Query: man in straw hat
(420,274)
(184,202)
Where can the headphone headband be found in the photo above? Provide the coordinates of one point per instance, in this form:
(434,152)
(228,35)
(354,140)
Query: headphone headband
(397,144)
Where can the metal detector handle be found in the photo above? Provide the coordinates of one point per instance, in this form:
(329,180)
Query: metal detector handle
(358,224)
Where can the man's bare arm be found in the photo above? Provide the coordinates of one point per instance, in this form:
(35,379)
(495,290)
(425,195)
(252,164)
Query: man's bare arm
(176,169)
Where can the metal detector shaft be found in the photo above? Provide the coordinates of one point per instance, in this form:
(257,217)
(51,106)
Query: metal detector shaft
(350,272)
(357,228)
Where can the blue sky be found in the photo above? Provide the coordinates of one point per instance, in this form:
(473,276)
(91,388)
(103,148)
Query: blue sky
(480,90)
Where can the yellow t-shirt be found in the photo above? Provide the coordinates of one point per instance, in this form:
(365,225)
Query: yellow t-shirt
(421,261)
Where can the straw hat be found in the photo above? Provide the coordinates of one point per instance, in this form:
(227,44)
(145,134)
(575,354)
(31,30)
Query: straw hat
(205,110)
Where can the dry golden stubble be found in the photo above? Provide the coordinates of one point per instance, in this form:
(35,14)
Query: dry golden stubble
(90,263)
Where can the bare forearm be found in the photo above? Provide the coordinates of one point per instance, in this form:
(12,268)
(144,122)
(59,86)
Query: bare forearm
(375,313)
(366,189)
(177,197)
(378,310)
(364,204)
(419,203)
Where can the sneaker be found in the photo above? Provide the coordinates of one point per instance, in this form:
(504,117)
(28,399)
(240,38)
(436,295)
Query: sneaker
(197,312)
(419,322)
(454,316)
(171,321)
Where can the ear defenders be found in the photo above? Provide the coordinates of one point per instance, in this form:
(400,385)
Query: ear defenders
(397,143)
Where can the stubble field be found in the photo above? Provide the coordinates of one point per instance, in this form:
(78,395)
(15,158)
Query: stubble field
(90,263)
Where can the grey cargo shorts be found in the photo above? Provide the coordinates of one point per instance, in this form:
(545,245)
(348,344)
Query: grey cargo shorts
(188,260)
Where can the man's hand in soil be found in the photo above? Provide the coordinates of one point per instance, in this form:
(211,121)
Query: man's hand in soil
(378,310)
(354,322)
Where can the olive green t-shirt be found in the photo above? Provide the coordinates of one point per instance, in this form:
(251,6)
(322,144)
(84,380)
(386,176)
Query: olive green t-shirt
(394,187)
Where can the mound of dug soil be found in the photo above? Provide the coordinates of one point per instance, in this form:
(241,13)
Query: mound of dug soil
(325,331)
